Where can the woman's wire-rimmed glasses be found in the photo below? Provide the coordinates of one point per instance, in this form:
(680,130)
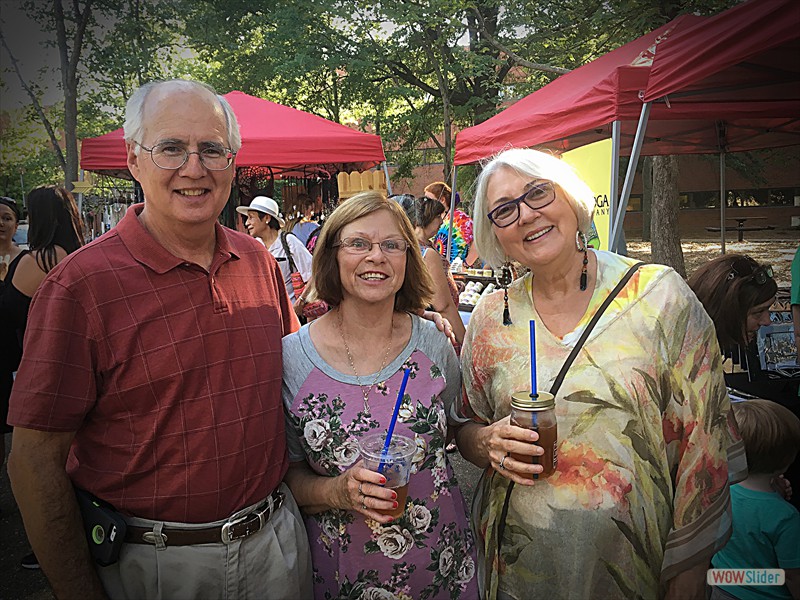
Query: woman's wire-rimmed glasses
(357,245)
(172,156)
(536,197)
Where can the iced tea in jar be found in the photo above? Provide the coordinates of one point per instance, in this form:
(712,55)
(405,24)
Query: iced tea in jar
(539,414)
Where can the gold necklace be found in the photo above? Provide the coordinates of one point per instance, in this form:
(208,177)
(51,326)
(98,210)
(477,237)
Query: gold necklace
(353,366)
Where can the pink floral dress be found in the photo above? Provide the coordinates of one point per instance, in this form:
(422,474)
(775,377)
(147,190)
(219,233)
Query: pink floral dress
(426,553)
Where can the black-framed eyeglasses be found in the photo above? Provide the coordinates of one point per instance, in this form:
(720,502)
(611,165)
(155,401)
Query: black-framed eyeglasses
(357,245)
(759,275)
(172,156)
(536,197)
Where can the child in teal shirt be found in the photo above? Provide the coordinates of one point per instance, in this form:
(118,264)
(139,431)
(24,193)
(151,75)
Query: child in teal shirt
(766,528)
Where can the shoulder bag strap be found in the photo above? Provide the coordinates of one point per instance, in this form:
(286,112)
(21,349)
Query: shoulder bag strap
(595,318)
(285,244)
(501,524)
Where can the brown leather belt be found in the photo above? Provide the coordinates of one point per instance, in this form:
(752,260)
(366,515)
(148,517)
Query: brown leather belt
(226,533)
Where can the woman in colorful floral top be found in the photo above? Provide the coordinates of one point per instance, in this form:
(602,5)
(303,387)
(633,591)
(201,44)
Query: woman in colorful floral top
(639,500)
(341,379)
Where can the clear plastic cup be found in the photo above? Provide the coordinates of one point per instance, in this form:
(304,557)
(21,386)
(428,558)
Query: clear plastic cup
(396,464)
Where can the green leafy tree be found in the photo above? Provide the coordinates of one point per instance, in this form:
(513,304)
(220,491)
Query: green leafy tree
(106,48)
(26,160)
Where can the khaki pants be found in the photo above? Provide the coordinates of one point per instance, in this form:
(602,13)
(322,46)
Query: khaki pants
(273,564)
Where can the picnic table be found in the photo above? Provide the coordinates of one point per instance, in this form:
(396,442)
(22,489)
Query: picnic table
(741,227)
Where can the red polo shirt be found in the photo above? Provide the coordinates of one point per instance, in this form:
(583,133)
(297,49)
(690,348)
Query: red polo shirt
(169,375)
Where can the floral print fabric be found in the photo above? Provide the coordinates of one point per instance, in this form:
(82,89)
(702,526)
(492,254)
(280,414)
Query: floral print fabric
(644,441)
(428,552)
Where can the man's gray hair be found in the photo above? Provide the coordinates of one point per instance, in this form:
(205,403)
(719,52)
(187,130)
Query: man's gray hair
(532,165)
(134,110)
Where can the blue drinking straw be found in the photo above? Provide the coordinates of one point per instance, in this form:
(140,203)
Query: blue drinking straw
(534,385)
(390,431)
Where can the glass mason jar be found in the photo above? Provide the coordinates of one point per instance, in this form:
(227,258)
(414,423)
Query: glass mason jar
(539,414)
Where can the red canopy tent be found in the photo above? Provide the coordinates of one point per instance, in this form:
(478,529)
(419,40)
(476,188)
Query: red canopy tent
(738,90)
(576,109)
(273,135)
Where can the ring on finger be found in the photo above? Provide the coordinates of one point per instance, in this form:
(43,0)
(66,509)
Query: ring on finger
(364,504)
(360,491)
(502,462)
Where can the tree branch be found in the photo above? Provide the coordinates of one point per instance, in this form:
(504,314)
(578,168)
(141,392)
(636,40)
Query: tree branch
(513,55)
(36,105)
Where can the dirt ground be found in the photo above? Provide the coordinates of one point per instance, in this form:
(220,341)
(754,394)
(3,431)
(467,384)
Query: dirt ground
(777,252)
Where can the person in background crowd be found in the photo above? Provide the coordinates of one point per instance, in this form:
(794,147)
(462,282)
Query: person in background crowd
(54,231)
(151,380)
(264,222)
(795,303)
(368,265)
(646,444)
(9,222)
(766,528)
(10,347)
(425,215)
(463,245)
(736,292)
(306,224)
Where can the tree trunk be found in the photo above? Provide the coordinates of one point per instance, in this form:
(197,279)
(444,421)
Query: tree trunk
(69,79)
(647,196)
(666,245)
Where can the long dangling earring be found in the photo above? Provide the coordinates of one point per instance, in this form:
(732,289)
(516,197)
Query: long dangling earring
(504,279)
(582,245)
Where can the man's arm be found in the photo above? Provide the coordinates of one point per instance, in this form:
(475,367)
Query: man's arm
(44,493)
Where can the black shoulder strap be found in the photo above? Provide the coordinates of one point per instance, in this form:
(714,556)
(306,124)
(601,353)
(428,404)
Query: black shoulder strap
(285,244)
(585,335)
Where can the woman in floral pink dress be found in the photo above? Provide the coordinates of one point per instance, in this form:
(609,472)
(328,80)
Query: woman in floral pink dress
(341,379)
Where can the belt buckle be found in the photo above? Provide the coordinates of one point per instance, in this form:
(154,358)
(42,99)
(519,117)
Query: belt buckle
(263,515)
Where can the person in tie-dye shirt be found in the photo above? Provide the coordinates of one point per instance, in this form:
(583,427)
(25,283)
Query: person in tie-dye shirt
(463,245)
(646,446)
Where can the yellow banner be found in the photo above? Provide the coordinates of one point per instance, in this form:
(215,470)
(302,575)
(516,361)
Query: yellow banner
(593,165)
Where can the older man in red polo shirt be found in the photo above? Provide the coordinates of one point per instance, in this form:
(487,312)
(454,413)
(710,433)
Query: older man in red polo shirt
(151,379)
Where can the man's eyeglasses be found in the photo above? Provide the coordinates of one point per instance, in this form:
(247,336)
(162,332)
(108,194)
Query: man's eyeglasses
(759,274)
(538,196)
(171,156)
(357,245)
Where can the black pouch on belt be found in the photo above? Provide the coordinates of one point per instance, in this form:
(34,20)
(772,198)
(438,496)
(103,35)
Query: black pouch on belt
(105,528)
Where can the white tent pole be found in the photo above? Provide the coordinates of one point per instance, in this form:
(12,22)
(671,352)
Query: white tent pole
(613,206)
(722,200)
(388,181)
(638,141)
(452,212)
(80,196)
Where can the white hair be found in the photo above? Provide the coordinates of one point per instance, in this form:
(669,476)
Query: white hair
(134,110)
(531,164)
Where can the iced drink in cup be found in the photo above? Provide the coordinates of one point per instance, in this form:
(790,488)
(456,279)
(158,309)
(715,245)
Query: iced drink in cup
(396,464)
(538,414)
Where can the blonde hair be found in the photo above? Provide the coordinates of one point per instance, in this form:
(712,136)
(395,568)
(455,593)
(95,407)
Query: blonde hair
(417,290)
(531,164)
(770,432)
